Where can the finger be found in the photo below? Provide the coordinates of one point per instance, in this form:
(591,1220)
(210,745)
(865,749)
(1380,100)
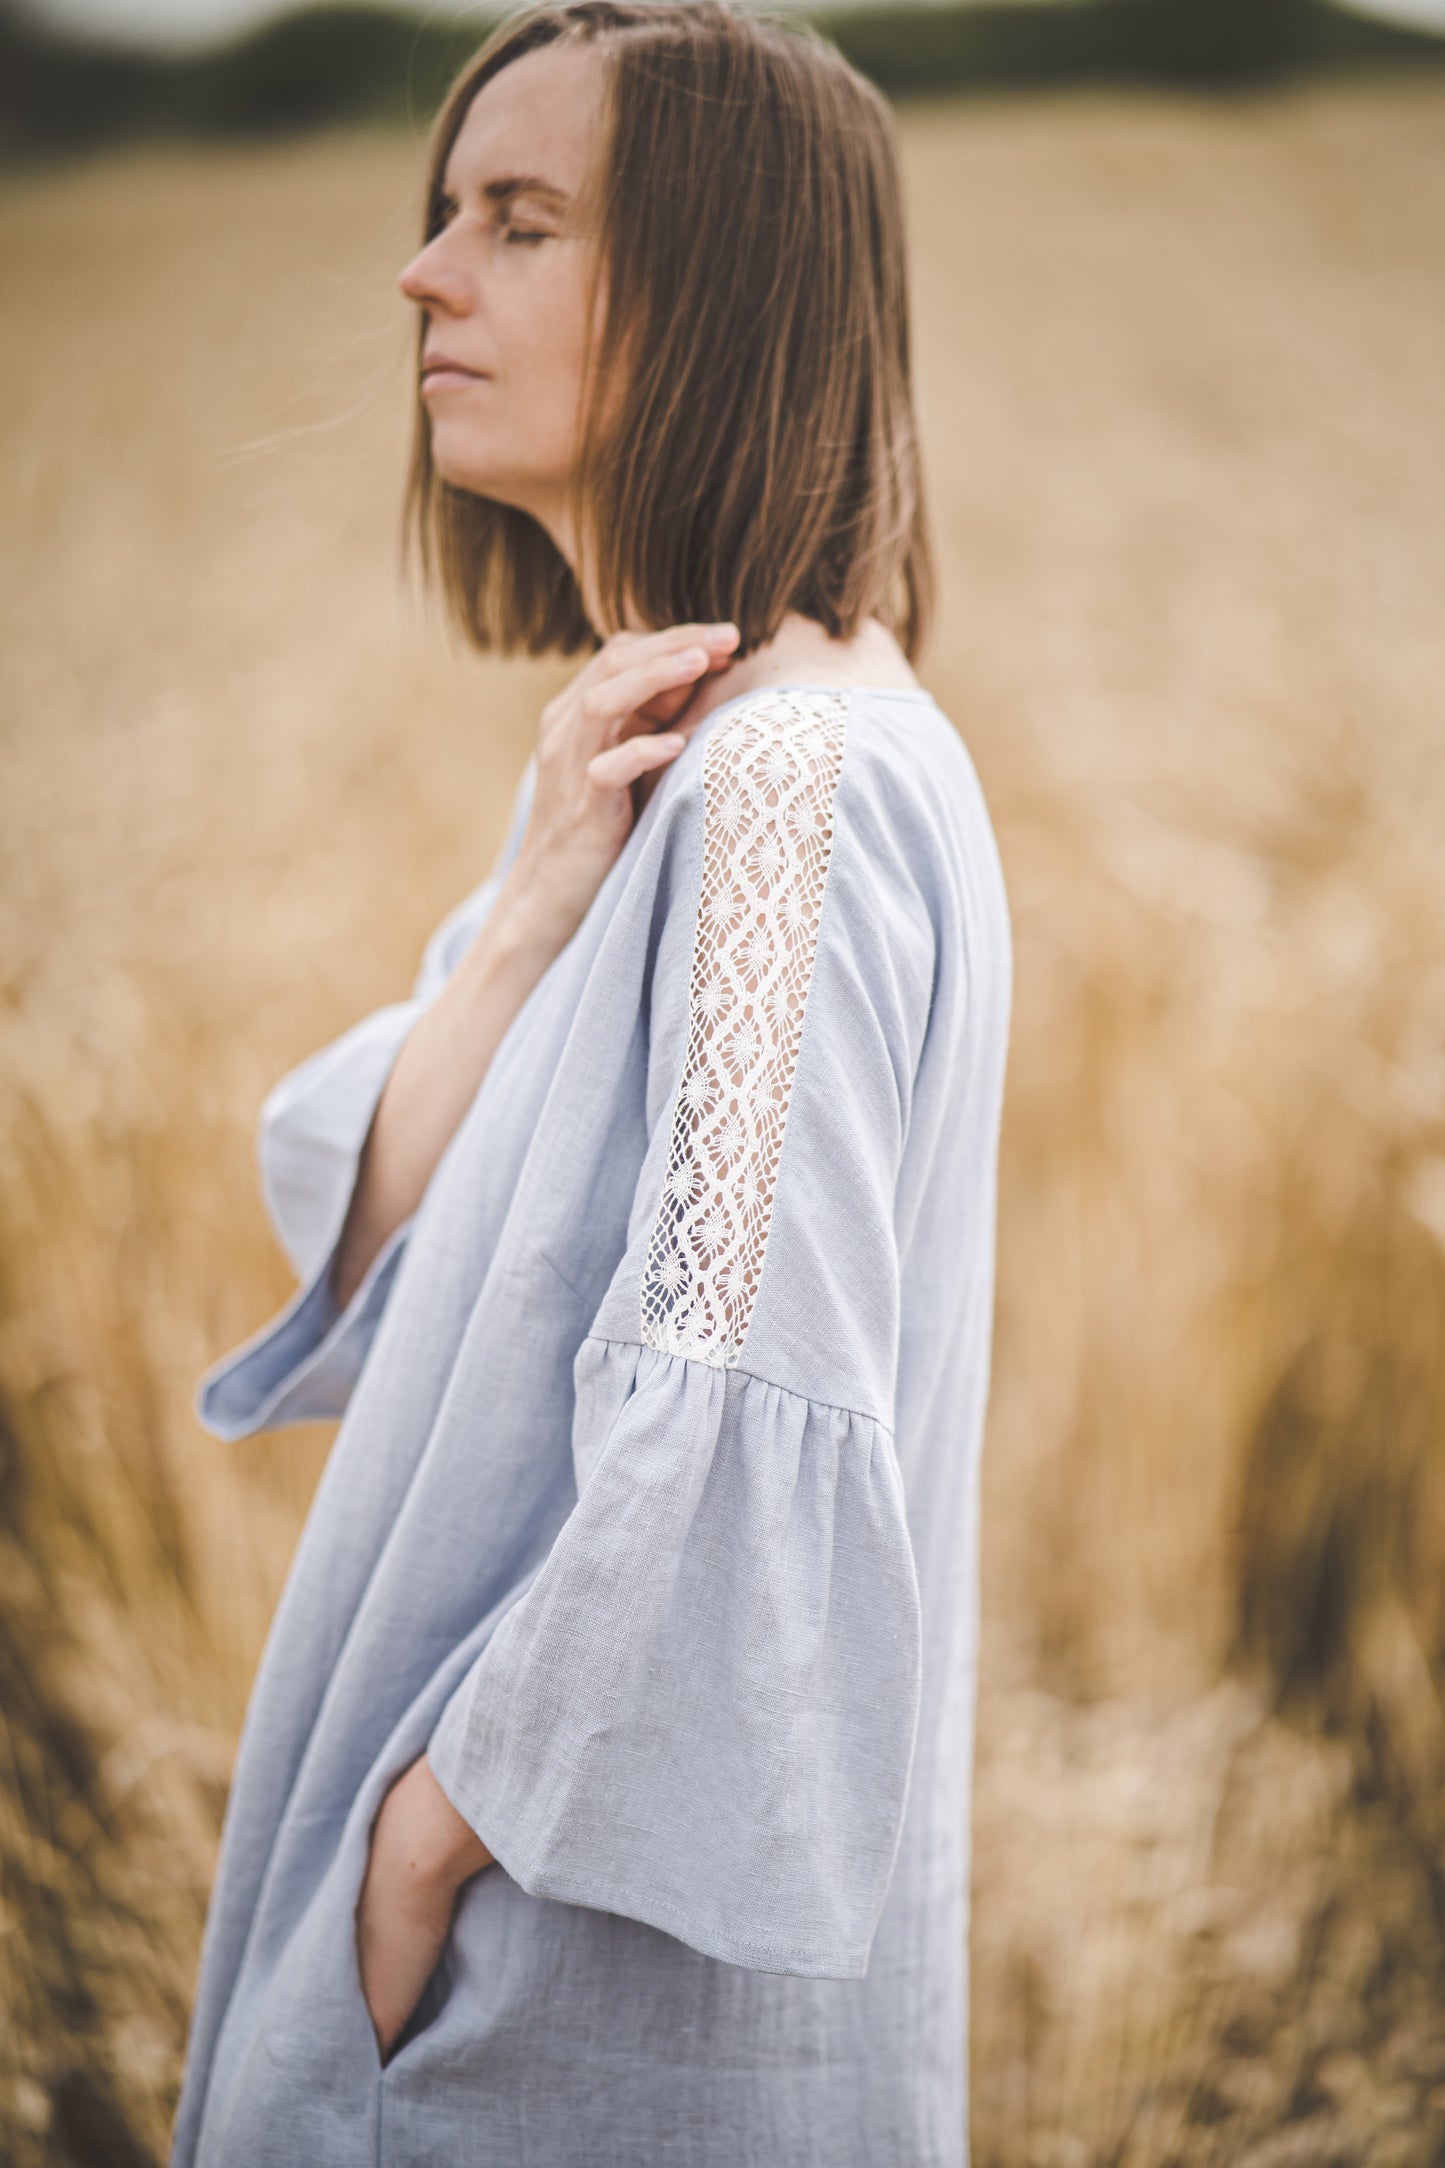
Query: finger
(620,765)
(625,650)
(665,711)
(665,707)
(612,703)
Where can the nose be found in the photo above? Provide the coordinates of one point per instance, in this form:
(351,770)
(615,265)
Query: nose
(434,280)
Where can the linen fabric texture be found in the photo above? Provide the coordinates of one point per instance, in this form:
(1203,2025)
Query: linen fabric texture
(652,1516)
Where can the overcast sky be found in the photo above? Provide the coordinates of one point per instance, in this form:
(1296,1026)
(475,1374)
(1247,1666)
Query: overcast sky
(201,22)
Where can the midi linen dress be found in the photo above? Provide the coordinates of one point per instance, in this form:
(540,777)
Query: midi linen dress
(652,1514)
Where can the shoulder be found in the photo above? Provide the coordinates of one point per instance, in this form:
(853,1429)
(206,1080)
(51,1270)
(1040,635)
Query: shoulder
(858,748)
(864,784)
(816,866)
(873,788)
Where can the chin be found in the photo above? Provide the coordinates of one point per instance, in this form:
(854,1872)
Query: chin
(492,486)
(461,467)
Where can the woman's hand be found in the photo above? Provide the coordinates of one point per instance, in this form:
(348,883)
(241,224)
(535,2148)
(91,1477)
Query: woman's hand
(598,738)
(421,1853)
(596,742)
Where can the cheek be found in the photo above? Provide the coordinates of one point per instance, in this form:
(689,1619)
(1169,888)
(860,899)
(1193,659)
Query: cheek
(553,335)
(546,327)
(534,406)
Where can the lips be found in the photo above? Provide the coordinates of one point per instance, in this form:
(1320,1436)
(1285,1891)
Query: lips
(435,364)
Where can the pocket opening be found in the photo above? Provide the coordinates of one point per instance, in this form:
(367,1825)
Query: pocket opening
(429,2005)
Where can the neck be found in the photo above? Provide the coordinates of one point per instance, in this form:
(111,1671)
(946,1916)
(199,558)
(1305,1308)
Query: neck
(799,652)
(802,653)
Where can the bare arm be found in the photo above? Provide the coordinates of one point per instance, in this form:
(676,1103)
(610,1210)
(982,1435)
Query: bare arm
(436,1076)
(598,737)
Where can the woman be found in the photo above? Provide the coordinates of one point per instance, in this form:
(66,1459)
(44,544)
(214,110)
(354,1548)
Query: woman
(603,1794)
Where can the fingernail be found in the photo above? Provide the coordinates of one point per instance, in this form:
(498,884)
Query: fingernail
(692,658)
(728,629)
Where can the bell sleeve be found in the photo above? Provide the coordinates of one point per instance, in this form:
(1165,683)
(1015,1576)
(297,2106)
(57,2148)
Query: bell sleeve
(701,1713)
(303,1364)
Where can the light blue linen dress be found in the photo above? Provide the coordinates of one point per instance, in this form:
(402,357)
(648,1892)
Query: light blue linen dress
(653,1511)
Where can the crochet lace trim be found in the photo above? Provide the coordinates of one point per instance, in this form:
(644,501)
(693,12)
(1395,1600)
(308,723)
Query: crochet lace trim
(770,773)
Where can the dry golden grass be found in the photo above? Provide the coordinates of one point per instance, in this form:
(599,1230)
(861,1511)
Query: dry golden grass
(1181,375)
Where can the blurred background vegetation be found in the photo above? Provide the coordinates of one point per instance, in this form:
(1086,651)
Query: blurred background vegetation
(340,62)
(1179,326)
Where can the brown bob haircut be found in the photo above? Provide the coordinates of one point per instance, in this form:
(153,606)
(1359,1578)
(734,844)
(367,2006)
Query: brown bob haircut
(762,453)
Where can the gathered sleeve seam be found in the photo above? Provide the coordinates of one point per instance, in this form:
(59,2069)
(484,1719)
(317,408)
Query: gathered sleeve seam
(740,1370)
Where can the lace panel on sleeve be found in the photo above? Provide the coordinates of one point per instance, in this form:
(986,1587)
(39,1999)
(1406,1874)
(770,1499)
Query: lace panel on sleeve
(769,777)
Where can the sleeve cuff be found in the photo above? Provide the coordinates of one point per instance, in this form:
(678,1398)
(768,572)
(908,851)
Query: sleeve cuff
(525,1861)
(313,1126)
(702,1716)
(303,1365)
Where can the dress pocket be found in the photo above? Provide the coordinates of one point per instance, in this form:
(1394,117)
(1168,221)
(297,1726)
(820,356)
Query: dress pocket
(429,2005)
(315,2027)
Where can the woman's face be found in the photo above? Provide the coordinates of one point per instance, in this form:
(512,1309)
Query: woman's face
(503,286)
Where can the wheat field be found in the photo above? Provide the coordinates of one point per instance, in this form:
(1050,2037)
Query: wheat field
(1182,376)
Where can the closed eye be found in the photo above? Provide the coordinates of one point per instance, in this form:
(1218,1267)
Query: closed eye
(447,208)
